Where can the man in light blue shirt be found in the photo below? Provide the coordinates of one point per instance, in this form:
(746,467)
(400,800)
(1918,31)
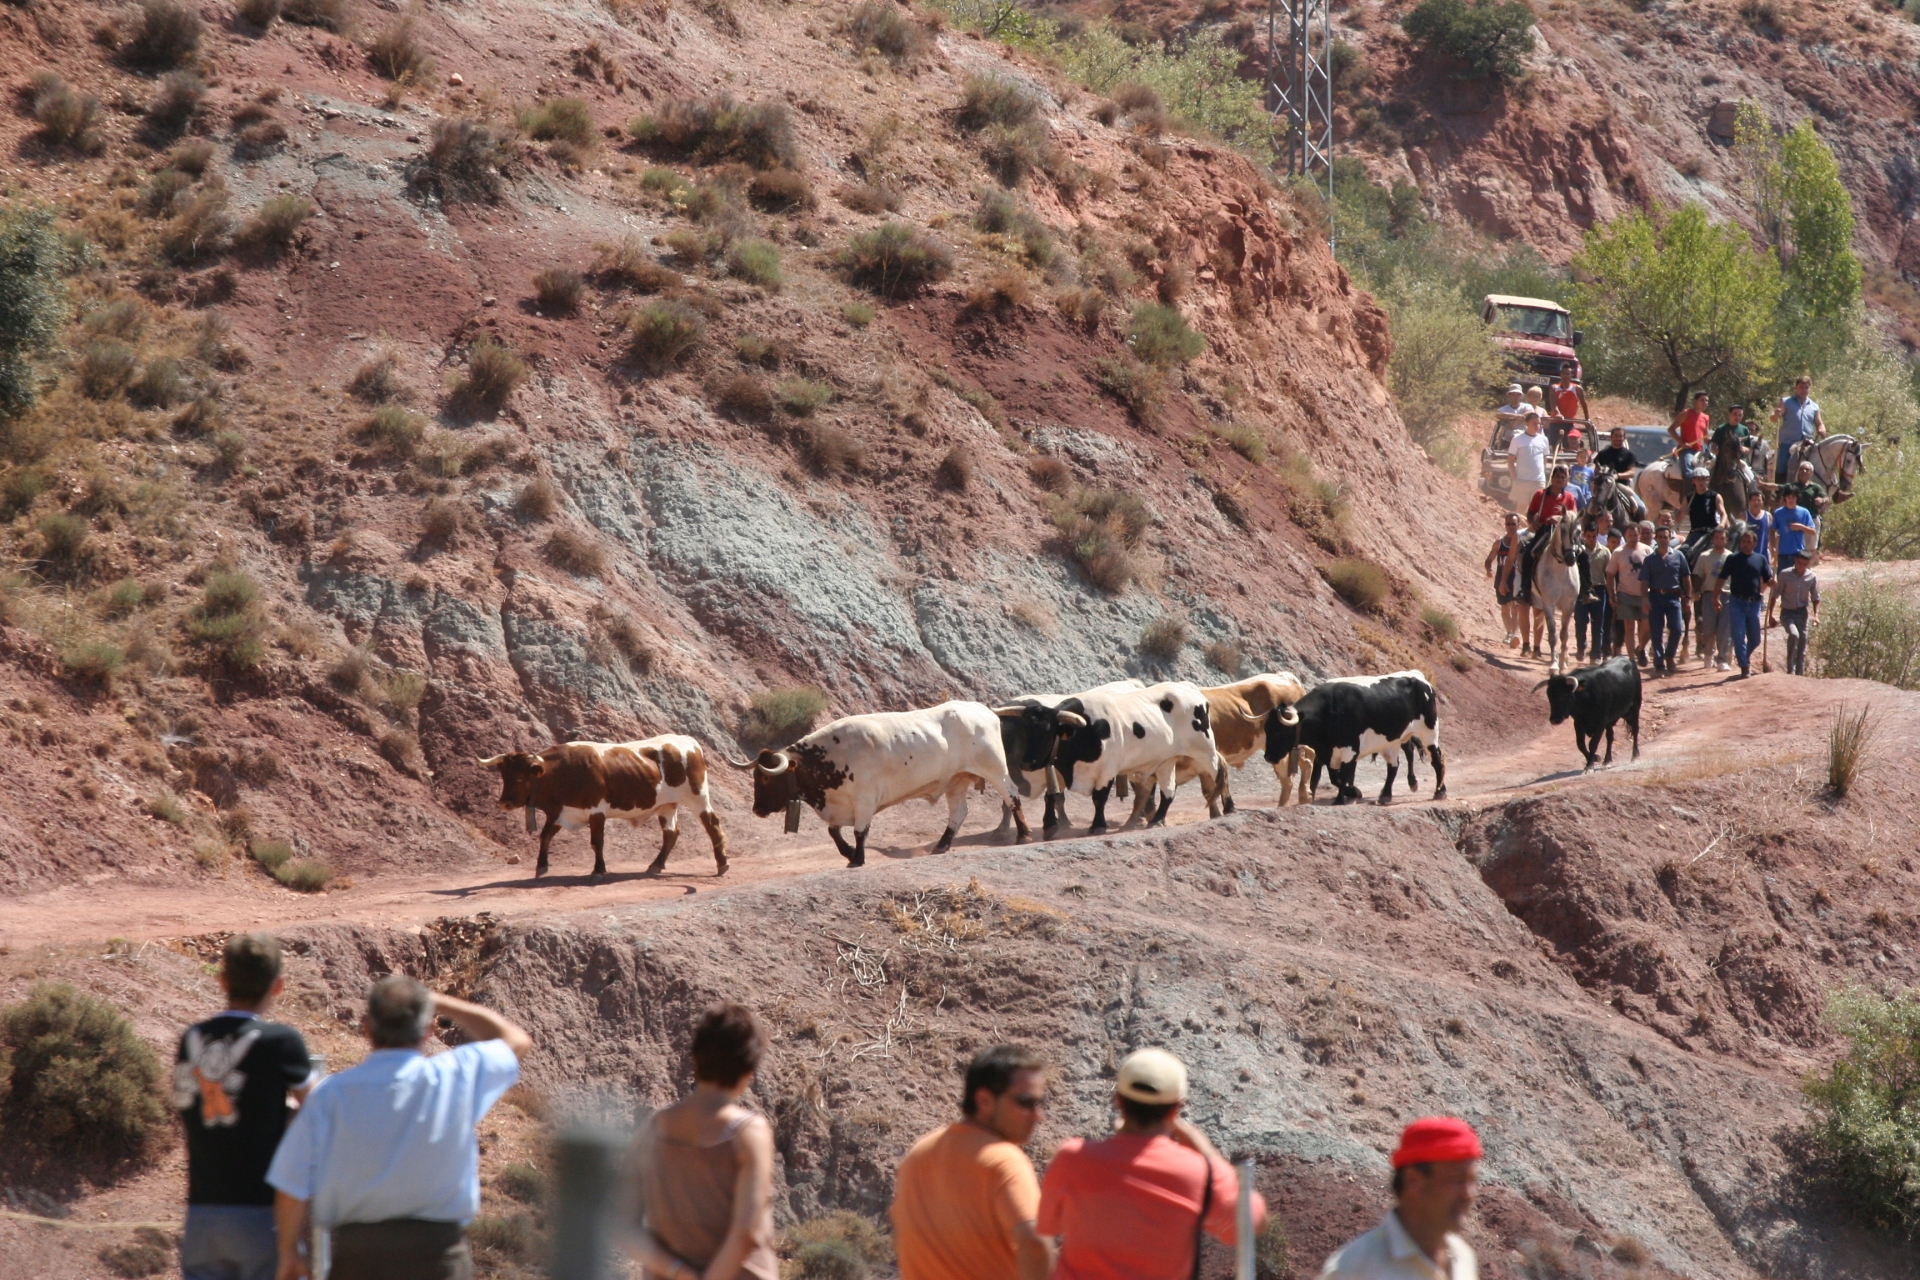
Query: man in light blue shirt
(1799,419)
(1792,523)
(384,1154)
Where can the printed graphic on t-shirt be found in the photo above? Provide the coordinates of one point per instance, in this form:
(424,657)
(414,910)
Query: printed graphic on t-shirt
(211,1073)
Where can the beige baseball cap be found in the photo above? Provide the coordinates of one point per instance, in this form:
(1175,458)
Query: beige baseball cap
(1152,1076)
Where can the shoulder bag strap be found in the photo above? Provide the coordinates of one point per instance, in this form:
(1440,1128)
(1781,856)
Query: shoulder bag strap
(1200,1227)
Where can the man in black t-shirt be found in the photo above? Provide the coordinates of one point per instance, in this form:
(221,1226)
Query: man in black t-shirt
(231,1080)
(1616,457)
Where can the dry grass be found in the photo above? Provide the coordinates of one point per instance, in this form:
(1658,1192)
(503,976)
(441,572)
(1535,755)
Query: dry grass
(200,227)
(1050,473)
(884,27)
(802,396)
(778,716)
(575,552)
(755,261)
(757,134)
(1162,639)
(631,266)
(1361,583)
(832,451)
(744,397)
(65,117)
(870,197)
(167,35)
(1224,656)
(1849,741)
(661,333)
(560,119)
(397,53)
(538,500)
(895,260)
(465,160)
(378,380)
(558,289)
(493,371)
(1441,624)
(780,191)
(1103,529)
(329,15)
(956,469)
(277,223)
(259,13)
(393,431)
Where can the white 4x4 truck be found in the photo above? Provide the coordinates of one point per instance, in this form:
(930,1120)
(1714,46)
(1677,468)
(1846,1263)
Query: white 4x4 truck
(1537,335)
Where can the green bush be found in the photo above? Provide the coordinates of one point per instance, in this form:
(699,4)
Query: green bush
(1868,631)
(756,262)
(33,300)
(1865,1126)
(759,134)
(227,623)
(895,260)
(124,597)
(1443,362)
(566,119)
(1487,37)
(662,332)
(779,716)
(1138,386)
(1361,583)
(78,1083)
(1161,336)
(1881,521)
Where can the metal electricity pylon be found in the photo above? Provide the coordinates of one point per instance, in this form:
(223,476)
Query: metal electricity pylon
(1300,86)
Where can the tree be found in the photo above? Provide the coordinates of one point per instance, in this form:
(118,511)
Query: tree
(1488,38)
(1824,273)
(33,302)
(1443,362)
(1685,301)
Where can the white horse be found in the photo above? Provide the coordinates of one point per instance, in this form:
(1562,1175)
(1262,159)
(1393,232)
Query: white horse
(1658,491)
(1555,587)
(1837,461)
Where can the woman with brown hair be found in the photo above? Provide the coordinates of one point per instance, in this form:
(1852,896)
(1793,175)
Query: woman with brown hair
(705,1165)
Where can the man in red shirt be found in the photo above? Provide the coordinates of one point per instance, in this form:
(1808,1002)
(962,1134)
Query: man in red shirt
(1131,1207)
(1689,432)
(1553,501)
(1567,402)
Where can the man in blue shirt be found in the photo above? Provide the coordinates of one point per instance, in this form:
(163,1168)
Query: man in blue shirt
(1799,419)
(1667,576)
(1791,525)
(1746,573)
(384,1154)
(1760,520)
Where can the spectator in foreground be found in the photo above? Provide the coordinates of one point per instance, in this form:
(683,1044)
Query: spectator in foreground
(1799,419)
(965,1198)
(705,1164)
(1590,610)
(1795,590)
(1745,572)
(383,1154)
(1666,574)
(1134,1204)
(232,1077)
(1628,594)
(1436,1174)
(1503,563)
(1712,640)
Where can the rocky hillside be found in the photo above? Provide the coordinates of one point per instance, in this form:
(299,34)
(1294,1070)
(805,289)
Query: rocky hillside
(374,507)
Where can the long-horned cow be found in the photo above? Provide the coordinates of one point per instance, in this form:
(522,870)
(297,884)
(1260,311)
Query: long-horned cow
(1239,716)
(1348,719)
(1141,734)
(854,768)
(579,784)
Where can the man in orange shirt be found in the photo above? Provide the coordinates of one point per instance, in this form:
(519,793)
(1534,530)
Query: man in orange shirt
(1131,1207)
(965,1197)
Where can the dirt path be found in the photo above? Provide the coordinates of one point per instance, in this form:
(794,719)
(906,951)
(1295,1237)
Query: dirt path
(1695,725)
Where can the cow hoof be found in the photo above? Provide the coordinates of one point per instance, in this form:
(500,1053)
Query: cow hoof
(539,870)
(720,867)
(1227,806)
(654,868)
(857,860)
(1097,829)
(945,842)
(1439,793)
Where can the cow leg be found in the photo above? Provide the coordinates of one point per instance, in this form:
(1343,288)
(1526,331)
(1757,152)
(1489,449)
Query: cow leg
(1596,745)
(956,814)
(1306,763)
(1633,723)
(1439,764)
(1142,797)
(847,851)
(669,836)
(1055,814)
(1223,784)
(1412,750)
(1099,822)
(859,858)
(546,841)
(1393,771)
(711,821)
(1011,799)
(597,825)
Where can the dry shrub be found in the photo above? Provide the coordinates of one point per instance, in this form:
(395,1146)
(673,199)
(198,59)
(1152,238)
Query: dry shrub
(752,348)
(779,716)
(1175,279)
(148,1253)
(1135,385)
(1003,214)
(842,1245)
(1142,107)
(308,875)
(630,265)
(65,117)
(1849,739)
(895,260)
(1051,474)
(882,26)
(538,500)
(510,1239)
(956,469)
(1011,152)
(831,451)
(558,289)
(441,521)
(259,13)
(780,190)
(465,160)
(259,138)
(1245,439)
(80,1085)
(755,261)
(161,384)
(870,197)
(801,396)
(1162,639)
(105,368)
(1001,292)
(168,35)
(1082,306)
(560,119)
(857,314)
(94,662)
(329,15)
(493,371)
(1224,656)
(626,637)
(199,228)
(662,332)
(277,223)
(995,100)
(378,381)
(1443,625)
(523,1181)
(744,397)
(759,134)
(575,552)
(1102,528)
(1361,583)
(174,107)
(397,53)
(394,431)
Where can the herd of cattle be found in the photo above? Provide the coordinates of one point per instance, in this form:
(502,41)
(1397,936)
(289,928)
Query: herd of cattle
(1152,738)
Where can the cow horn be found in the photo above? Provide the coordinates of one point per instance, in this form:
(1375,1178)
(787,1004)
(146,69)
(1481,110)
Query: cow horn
(739,764)
(1071,718)
(1009,713)
(1289,715)
(778,769)
(491,762)
(1537,688)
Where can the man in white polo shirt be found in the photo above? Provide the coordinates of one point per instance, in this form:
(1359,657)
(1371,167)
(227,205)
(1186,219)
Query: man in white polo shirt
(1436,1174)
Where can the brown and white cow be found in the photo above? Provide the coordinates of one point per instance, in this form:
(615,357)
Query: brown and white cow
(579,784)
(1240,713)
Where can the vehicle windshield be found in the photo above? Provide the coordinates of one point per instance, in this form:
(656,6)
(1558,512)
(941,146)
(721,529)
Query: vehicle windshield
(1647,443)
(1535,322)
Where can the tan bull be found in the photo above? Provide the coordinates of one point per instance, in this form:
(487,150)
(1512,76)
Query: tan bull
(1240,712)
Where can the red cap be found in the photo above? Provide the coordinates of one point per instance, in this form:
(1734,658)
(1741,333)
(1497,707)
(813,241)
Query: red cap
(1433,1139)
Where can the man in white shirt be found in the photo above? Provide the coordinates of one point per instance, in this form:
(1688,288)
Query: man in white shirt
(1436,1172)
(1527,455)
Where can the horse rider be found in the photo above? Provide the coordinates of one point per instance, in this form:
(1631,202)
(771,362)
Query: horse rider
(1689,432)
(1734,433)
(1705,513)
(1550,503)
(1799,419)
(1616,457)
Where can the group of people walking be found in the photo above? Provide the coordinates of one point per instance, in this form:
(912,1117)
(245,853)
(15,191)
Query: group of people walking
(1641,582)
(384,1156)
